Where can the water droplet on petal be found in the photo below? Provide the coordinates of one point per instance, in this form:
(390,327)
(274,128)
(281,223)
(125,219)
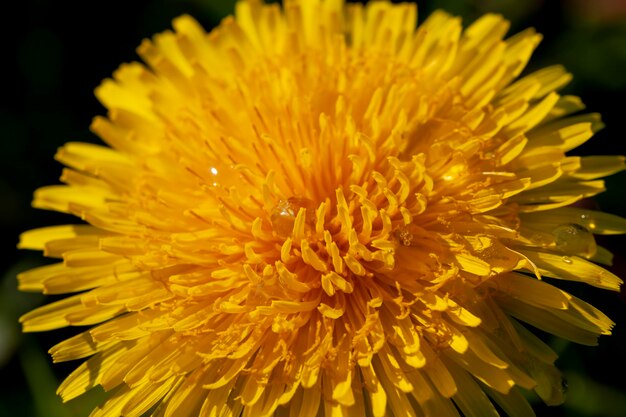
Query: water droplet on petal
(284,214)
(588,221)
(456,169)
(574,239)
(225,176)
(567,260)
(214,171)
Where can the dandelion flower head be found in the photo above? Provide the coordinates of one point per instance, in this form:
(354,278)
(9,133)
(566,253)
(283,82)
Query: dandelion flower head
(323,209)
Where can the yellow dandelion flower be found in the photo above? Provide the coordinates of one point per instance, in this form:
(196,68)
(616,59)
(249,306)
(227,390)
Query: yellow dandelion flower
(320,210)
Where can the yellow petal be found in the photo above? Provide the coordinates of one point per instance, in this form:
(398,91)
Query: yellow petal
(548,321)
(36,239)
(513,403)
(573,268)
(79,346)
(470,397)
(596,221)
(593,167)
(531,290)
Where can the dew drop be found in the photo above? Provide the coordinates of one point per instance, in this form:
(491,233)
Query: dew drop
(567,260)
(457,168)
(574,239)
(283,215)
(588,221)
(214,171)
(225,176)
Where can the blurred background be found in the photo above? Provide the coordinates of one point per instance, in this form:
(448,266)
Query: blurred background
(54,53)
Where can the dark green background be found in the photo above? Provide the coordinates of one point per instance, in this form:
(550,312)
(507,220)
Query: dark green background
(54,53)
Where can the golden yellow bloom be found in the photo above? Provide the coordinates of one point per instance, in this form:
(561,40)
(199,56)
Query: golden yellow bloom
(322,211)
